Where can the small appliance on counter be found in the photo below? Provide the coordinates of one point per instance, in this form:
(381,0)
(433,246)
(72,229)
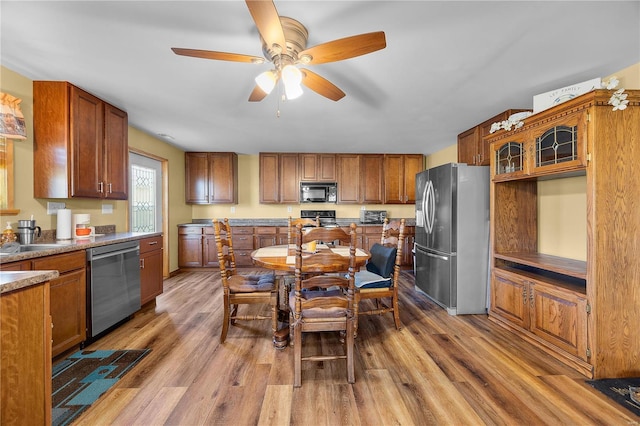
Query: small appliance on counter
(373,216)
(27,231)
(81,226)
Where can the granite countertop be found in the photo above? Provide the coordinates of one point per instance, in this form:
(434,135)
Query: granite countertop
(15,280)
(58,247)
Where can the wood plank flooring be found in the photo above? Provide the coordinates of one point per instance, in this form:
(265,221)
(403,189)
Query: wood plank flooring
(438,370)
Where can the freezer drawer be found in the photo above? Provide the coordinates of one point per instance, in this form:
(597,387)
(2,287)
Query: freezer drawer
(436,276)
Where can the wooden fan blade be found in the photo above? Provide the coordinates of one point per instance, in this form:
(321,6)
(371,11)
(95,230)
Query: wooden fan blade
(267,21)
(344,48)
(257,94)
(321,85)
(221,56)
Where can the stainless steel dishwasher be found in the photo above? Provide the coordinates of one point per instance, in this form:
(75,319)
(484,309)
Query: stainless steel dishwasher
(114,285)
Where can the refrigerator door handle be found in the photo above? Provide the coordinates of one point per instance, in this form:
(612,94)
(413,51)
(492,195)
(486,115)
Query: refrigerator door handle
(431,206)
(437,256)
(424,206)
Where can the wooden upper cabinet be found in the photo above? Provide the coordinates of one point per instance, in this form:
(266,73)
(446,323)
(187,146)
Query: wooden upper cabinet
(317,167)
(472,148)
(348,178)
(289,183)
(80,144)
(211,177)
(371,178)
(400,177)
(279,181)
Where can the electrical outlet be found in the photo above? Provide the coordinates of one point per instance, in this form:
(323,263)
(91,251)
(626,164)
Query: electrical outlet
(52,208)
(107,209)
(233,209)
(363,208)
(289,209)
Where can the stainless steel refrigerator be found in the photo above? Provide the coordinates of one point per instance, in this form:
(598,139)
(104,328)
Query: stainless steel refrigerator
(452,236)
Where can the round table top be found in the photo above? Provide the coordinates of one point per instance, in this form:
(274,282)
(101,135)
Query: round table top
(282,257)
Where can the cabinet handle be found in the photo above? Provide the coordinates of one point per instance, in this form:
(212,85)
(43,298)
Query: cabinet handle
(141,263)
(110,191)
(101,187)
(153,243)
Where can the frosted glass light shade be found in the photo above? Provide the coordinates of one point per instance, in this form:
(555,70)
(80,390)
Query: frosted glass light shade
(292,77)
(266,81)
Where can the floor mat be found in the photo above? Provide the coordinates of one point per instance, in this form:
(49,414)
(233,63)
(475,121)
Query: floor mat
(618,390)
(80,379)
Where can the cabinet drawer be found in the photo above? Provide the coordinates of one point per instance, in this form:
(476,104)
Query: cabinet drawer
(243,257)
(184,230)
(262,230)
(24,265)
(150,244)
(242,230)
(242,242)
(62,262)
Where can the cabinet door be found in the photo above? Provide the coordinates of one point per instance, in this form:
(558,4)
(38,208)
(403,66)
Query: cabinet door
(87,121)
(196,178)
(209,250)
(348,178)
(559,317)
(413,164)
(116,154)
(269,178)
(511,157)
(289,182)
(68,311)
(407,249)
(190,251)
(150,276)
(509,298)
(371,178)
(559,145)
(223,177)
(371,236)
(308,167)
(467,147)
(400,177)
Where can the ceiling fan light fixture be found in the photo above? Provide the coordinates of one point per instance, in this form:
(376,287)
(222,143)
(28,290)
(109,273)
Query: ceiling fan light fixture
(266,81)
(292,79)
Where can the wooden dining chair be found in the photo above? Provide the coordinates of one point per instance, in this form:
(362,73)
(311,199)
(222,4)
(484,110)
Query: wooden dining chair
(241,289)
(300,221)
(379,280)
(323,302)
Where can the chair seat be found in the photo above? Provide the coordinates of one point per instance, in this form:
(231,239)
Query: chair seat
(251,283)
(317,312)
(367,279)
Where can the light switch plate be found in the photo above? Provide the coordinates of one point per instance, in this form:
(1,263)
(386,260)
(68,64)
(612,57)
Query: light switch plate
(233,209)
(107,209)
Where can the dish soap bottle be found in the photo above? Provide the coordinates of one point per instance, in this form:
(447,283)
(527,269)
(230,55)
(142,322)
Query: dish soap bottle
(8,236)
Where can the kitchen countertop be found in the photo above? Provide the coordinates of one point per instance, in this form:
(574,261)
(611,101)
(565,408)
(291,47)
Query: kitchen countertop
(74,245)
(284,222)
(15,280)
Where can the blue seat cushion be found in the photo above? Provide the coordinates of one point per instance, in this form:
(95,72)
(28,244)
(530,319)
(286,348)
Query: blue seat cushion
(382,260)
(368,279)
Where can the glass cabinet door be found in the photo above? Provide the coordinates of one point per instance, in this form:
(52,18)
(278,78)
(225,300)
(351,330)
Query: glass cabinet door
(510,157)
(559,145)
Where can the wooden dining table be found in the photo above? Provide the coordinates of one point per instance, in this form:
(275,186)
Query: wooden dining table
(283,258)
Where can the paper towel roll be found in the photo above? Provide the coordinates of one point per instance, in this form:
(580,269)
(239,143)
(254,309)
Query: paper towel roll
(63,231)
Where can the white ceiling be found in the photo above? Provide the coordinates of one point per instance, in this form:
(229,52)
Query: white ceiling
(447,66)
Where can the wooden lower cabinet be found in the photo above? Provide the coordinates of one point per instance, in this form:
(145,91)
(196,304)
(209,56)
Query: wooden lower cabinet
(542,311)
(151,278)
(25,356)
(68,299)
(197,247)
(242,239)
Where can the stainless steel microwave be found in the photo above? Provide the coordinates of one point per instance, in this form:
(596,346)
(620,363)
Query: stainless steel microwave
(318,192)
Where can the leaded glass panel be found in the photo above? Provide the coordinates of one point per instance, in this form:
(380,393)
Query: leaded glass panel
(557,145)
(509,158)
(143,199)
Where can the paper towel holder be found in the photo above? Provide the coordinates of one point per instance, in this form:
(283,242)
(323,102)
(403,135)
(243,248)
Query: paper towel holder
(63,229)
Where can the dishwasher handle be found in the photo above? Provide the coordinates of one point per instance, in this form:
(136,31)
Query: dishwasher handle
(113,253)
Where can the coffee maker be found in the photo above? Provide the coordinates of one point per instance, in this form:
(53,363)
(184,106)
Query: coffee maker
(80,226)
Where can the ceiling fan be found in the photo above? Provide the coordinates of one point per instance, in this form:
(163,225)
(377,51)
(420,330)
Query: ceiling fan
(284,43)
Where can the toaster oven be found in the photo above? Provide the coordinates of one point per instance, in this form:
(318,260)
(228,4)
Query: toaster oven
(372,216)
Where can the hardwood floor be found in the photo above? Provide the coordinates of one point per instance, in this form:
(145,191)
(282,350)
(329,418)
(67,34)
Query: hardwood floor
(438,369)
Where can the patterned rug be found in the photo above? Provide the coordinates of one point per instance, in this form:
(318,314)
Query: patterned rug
(618,390)
(80,379)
